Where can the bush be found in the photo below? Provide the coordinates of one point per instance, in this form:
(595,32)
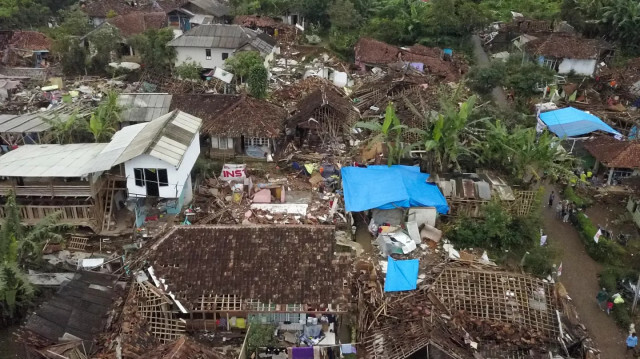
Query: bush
(571,195)
(483,80)
(605,251)
(608,279)
(539,261)
(621,315)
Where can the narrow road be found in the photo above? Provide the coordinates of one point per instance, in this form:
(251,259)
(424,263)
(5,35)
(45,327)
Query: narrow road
(580,278)
(482,59)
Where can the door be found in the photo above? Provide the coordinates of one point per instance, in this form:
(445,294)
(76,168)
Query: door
(151,182)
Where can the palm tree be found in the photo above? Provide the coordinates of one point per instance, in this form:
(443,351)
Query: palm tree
(623,20)
(389,133)
(16,292)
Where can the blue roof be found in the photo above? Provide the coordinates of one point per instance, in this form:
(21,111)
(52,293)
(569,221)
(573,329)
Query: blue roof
(387,187)
(401,275)
(569,122)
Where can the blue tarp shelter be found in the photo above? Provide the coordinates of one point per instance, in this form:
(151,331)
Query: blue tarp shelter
(401,275)
(569,122)
(385,187)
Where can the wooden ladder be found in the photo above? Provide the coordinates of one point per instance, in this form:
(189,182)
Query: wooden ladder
(108,204)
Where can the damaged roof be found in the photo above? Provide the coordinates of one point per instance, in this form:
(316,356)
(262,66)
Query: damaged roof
(257,21)
(223,36)
(80,309)
(233,115)
(562,45)
(182,348)
(373,52)
(137,22)
(325,96)
(208,7)
(166,138)
(73,160)
(284,264)
(30,40)
(143,107)
(100,8)
(614,153)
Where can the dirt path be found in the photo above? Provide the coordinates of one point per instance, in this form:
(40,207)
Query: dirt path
(483,60)
(580,277)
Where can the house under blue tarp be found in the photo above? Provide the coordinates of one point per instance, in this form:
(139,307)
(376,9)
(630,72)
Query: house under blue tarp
(385,187)
(569,122)
(401,275)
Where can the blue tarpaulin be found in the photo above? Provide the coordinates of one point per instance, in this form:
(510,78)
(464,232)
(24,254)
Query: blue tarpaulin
(401,275)
(385,187)
(569,121)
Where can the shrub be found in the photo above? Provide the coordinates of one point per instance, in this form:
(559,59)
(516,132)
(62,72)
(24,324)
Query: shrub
(483,80)
(621,315)
(609,279)
(539,261)
(571,195)
(605,251)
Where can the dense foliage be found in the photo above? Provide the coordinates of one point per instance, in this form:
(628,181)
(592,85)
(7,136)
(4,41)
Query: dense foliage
(154,53)
(258,81)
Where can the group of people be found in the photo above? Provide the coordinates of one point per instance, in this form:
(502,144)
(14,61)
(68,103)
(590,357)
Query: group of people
(603,299)
(564,209)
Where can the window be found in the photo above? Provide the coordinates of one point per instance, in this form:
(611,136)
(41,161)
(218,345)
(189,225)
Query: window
(137,173)
(207,54)
(222,143)
(256,141)
(163,179)
(225,55)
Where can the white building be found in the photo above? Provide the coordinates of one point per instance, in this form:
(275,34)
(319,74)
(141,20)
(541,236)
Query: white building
(158,156)
(210,45)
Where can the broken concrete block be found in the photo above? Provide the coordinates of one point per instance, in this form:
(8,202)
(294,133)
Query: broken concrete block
(262,196)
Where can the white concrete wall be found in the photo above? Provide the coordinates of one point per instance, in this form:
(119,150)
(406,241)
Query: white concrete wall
(580,67)
(198,54)
(177,177)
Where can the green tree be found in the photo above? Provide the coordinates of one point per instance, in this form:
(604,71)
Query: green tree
(105,119)
(189,70)
(75,22)
(483,79)
(622,20)
(16,14)
(343,15)
(241,63)
(103,42)
(153,49)
(258,81)
(525,78)
(389,133)
(16,292)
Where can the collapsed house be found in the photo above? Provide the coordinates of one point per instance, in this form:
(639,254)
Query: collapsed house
(462,309)
(266,24)
(322,119)
(69,324)
(566,53)
(441,63)
(199,12)
(25,49)
(87,182)
(223,278)
(235,125)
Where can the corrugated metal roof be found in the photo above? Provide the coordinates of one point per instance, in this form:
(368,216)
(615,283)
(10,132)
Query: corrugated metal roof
(144,107)
(37,121)
(73,160)
(223,36)
(166,138)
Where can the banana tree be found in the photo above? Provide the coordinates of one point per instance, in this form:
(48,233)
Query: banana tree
(389,133)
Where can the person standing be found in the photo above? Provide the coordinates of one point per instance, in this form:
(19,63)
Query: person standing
(559,210)
(552,196)
(609,307)
(632,342)
(602,297)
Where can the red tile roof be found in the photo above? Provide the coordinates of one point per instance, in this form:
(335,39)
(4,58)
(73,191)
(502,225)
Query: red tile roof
(284,264)
(373,52)
(561,45)
(30,40)
(137,22)
(233,115)
(614,153)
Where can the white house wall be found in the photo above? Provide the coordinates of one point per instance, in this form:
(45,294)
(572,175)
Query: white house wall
(580,67)
(176,177)
(198,54)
